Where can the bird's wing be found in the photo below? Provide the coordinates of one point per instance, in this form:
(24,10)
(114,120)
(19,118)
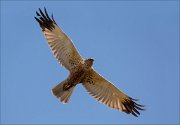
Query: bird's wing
(62,47)
(105,92)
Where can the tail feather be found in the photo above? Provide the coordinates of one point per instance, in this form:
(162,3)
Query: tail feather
(63,95)
(66,95)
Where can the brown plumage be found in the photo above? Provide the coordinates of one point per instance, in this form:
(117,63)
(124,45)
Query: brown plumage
(81,70)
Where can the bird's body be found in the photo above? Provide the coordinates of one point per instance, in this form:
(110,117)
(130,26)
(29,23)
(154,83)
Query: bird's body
(81,71)
(77,75)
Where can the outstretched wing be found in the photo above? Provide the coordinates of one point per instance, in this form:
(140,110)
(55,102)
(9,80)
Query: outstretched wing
(62,47)
(105,92)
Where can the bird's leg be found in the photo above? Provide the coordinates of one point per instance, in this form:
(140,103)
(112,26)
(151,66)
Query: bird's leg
(67,86)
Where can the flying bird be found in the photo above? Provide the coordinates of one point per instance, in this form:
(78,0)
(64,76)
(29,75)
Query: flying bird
(81,70)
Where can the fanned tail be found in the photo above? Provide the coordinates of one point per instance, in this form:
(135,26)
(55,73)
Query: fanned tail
(63,95)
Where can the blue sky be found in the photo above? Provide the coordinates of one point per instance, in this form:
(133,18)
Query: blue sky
(135,45)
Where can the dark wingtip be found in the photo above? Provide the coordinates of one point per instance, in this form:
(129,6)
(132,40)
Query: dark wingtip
(38,20)
(133,99)
(44,20)
(139,105)
(40,10)
(37,14)
(53,18)
(135,114)
(132,107)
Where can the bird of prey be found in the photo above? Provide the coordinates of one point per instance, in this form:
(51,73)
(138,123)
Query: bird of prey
(81,70)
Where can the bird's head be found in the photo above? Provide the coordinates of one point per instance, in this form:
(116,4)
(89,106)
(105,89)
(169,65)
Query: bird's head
(89,62)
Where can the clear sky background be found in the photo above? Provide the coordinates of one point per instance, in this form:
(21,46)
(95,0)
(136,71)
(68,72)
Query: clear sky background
(135,45)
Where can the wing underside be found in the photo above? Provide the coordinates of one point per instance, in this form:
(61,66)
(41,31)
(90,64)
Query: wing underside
(62,47)
(106,93)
